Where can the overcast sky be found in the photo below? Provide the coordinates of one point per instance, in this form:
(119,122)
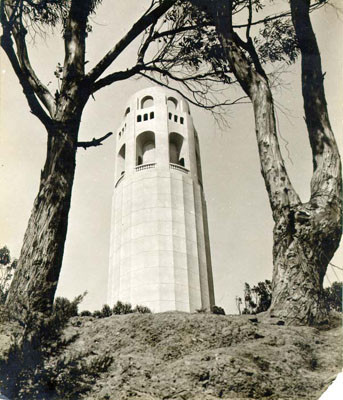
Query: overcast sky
(240,221)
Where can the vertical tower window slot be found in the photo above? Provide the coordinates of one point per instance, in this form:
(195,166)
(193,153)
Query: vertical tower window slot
(152,115)
(170,115)
(175,118)
(145,117)
(139,118)
(181,120)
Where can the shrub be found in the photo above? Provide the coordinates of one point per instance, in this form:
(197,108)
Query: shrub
(142,310)
(85,313)
(218,310)
(106,311)
(97,314)
(201,310)
(333,296)
(121,308)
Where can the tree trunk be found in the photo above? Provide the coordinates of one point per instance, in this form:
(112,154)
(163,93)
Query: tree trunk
(305,243)
(35,281)
(306,235)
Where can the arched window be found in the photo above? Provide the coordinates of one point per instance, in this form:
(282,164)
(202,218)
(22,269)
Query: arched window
(172,103)
(176,149)
(127,111)
(121,161)
(145,148)
(147,101)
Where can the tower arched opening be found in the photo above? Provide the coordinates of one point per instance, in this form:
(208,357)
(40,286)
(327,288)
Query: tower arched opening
(172,103)
(121,161)
(176,149)
(145,148)
(147,101)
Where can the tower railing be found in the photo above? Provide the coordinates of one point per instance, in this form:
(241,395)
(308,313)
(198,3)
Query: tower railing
(178,168)
(145,166)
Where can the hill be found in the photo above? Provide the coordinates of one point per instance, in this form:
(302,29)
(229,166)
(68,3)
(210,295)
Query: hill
(182,357)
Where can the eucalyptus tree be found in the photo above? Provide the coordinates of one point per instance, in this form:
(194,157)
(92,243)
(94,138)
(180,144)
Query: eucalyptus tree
(206,34)
(306,234)
(35,281)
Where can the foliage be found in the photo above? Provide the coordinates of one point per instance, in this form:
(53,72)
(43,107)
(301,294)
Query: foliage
(119,308)
(277,42)
(97,314)
(258,298)
(7,268)
(66,307)
(122,308)
(38,13)
(106,311)
(142,310)
(218,310)
(23,374)
(333,296)
(85,313)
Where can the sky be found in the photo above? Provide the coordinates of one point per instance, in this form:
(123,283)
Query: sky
(240,221)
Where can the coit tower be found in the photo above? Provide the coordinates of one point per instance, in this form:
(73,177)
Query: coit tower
(159,250)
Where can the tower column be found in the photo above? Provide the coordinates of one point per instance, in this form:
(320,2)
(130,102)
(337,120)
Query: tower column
(159,244)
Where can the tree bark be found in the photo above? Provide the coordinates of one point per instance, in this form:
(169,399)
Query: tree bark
(303,250)
(306,235)
(40,261)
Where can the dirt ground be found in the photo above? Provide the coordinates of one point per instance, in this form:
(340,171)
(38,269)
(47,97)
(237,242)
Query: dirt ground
(183,356)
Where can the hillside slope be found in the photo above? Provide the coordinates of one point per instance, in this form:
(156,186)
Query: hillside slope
(188,356)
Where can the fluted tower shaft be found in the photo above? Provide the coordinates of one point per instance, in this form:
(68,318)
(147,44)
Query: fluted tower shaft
(160,253)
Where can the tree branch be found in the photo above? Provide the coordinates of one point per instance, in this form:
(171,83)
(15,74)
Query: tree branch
(19,32)
(116,76)
(144,22)
(94,142)
(326,182)
(35,106)
(75,41)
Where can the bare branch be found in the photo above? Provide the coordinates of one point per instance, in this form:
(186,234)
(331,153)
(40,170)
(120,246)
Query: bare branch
(41,90)
(194,101)
(75,40)
(144,22)
(19,32)
(116,76)
(249,19)
(35,106)
(94,142)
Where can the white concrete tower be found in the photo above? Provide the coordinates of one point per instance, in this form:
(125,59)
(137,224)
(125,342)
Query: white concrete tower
(160,254)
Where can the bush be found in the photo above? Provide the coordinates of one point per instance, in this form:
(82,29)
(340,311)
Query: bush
(218,310)
(333,296)
(121,308)
(85,313)
(106,311)
(66,307)
(142,310)
(7,268)
(97,314)
(201,310)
